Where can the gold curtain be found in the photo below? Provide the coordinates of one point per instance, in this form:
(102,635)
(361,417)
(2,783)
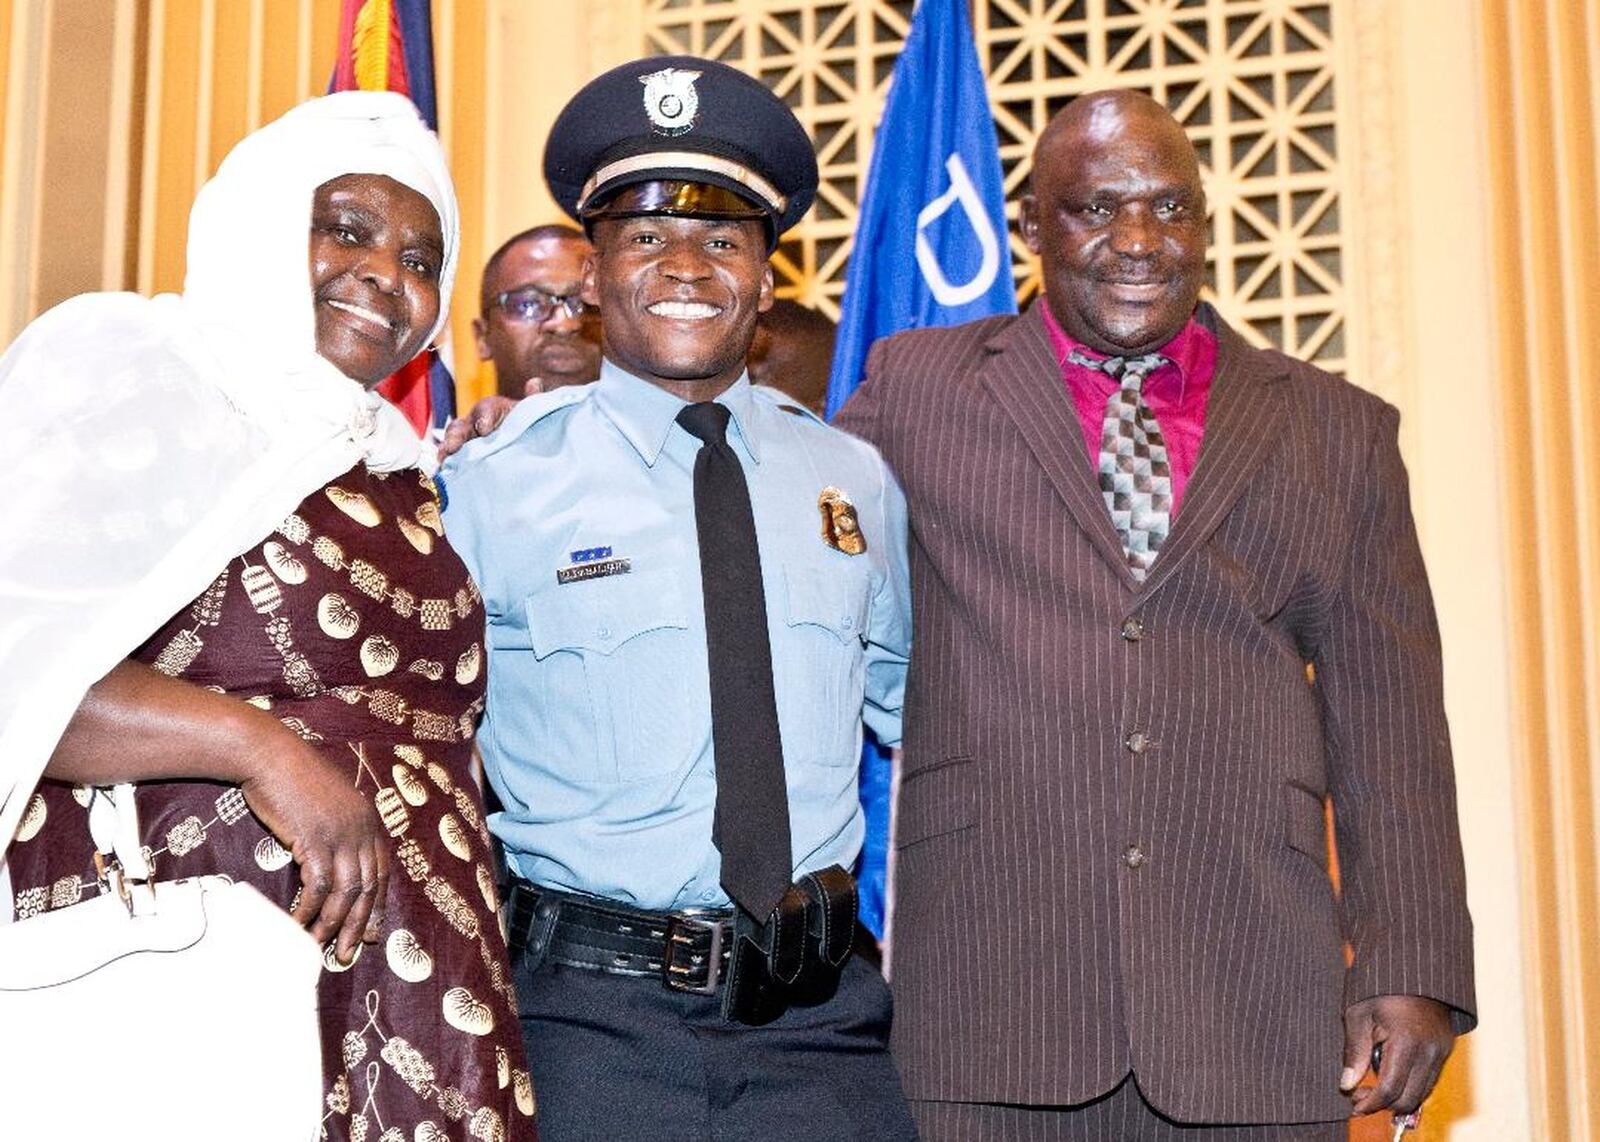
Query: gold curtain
(5,70)
(1542,70)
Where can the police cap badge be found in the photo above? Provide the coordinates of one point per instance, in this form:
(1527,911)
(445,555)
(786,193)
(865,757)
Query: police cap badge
(681,122)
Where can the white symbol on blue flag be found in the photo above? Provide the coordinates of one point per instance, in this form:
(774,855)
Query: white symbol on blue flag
(961,193)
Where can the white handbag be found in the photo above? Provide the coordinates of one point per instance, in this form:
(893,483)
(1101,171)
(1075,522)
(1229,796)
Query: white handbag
(171,1010)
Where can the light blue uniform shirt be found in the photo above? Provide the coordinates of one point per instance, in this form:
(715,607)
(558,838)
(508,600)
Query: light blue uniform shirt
(597,735)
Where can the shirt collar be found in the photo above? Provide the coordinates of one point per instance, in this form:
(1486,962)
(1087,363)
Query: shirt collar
(646,413)
(1190,351)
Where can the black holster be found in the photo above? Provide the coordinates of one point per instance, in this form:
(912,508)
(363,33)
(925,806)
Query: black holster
(795,955)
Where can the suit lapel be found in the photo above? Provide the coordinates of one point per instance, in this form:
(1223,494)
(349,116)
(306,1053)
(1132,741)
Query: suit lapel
(1242,423)
(1024,378)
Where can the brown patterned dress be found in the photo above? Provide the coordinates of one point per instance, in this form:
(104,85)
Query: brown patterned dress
(359,628)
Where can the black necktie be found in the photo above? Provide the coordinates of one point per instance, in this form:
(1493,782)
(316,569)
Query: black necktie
(752,826)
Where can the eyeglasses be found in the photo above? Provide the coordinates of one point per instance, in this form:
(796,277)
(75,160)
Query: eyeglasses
(536,306)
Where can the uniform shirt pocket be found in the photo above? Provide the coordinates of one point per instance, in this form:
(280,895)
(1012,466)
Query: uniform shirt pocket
(617,647)
(819,664)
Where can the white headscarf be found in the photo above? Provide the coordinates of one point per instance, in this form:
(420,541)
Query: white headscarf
(154,439)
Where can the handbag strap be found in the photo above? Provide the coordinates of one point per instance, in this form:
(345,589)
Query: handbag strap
(114,827)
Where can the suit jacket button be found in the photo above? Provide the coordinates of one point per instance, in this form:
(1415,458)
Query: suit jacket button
(1137,742)
(1132,630)
(1133,856)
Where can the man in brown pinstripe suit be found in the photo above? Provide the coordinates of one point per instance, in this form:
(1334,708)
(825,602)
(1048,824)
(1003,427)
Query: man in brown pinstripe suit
(1115,915)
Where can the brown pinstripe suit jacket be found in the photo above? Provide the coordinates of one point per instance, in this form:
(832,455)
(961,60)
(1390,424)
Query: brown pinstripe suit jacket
(1033,963)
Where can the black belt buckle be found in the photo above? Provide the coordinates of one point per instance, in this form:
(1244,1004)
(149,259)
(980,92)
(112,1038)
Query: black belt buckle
(694,947)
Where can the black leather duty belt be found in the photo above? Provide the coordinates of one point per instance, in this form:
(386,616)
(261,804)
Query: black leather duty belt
(687,951)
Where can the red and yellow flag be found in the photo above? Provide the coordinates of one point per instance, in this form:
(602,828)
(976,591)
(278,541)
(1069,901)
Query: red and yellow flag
(387,45)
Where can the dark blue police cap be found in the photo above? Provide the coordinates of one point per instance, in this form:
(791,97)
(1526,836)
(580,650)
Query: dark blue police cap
(680,119)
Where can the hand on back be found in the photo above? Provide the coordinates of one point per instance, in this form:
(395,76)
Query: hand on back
(484,418)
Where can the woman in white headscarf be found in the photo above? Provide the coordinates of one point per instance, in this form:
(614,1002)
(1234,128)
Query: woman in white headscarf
(226,575)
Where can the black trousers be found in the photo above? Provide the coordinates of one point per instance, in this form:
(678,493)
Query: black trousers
(1121,1116)
(616,1059)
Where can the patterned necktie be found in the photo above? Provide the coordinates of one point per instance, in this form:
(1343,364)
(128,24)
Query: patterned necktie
(1135,476)
(752,815)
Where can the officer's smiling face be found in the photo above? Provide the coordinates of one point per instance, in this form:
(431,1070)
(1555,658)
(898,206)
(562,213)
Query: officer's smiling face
(679,297)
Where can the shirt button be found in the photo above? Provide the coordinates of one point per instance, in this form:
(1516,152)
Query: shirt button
(708,895)
(1137,742)
(1132,630)
(1133,856)
(847,622)
(603,632)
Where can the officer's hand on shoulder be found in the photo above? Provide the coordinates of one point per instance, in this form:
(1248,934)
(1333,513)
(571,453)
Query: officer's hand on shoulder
(484,418)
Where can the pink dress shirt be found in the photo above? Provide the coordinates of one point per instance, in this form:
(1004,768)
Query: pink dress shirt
(1176,393)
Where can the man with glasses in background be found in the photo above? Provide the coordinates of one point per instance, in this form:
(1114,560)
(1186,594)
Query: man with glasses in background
(532,324)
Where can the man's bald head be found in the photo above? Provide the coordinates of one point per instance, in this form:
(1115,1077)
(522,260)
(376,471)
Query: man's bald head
(1117,217)
(550,234)
(1101,114)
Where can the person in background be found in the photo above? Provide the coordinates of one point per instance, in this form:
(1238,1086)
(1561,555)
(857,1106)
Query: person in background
(1135,539)
(793,351)
(696,593)
(531,322)
(230,585)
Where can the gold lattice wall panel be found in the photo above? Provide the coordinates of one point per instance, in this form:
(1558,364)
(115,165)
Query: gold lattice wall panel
(1251,80)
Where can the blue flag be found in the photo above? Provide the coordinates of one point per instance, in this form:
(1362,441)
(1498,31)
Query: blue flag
(930,249)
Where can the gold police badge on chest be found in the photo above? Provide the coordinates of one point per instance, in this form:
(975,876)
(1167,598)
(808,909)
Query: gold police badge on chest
(841,530)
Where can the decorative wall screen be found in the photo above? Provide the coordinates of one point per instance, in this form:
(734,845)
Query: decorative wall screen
(1251,80)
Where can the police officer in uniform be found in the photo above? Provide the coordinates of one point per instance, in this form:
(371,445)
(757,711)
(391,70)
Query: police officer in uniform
(697,592)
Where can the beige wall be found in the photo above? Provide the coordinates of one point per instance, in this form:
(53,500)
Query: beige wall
(1469,188)
(20,129)
(535,56)
(1456,465)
